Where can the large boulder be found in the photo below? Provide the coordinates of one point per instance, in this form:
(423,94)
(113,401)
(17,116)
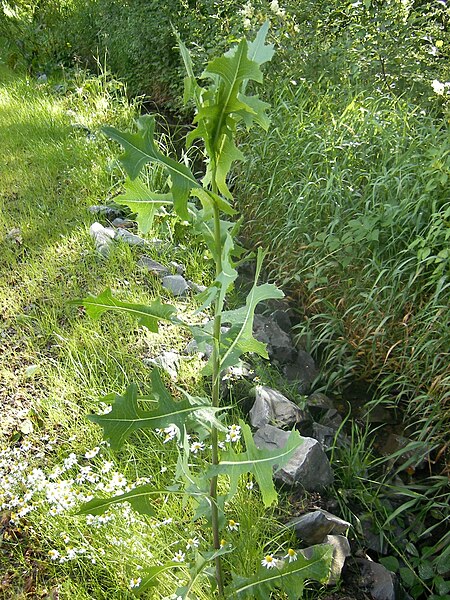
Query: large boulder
(271,407)
(308,465)
(313,527)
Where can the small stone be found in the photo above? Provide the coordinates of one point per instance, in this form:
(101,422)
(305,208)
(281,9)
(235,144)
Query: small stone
(196,288)
(103,238)
(42,78)
(130,238)
(168,361)
(153,266)
(192,348)
(272,407)
(318,402)
(108,212)
(332,419)
(323,434)
(379,414)
(123,223)
(308,465)
(415,455)
(176,284)
(376,580)
(179,268)
(15,235)
(313,527)
(341,551)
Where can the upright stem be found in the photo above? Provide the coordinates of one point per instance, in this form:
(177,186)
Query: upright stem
(216,398)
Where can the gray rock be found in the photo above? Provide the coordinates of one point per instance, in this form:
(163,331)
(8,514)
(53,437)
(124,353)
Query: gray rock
(323,434)
(108,212)
(42,78)
(313,527)
(197,289)
(373,540)
(376,580)
(153,266)
(318,403)
(179,268)
(414,455)
(332,419)
(130,238)
(176,284)
(103,238)
(308,466)
(124,223)
(271,407)
(282,319)
(192,348)
(303,371)
(279,343)
(377,413)
(341,551)
(168,361)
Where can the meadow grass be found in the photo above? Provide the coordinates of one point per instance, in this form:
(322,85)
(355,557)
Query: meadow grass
(344,192)
(56,364)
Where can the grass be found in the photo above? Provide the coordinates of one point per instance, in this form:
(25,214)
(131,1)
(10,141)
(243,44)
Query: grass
(56,364)
(344,191)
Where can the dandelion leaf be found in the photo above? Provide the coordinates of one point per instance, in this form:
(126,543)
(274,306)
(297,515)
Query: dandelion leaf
(239,338)
(288,579)
(255,460)
(126,416)
(147,315)
(140,149)
(143,202)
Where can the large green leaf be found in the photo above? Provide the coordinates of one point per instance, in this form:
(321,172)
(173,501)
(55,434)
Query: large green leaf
(126,417)
(255,460)
(258,50)
(239,339)
(143,202)
(147,315)
(288,579)
(139,498)
(140,149)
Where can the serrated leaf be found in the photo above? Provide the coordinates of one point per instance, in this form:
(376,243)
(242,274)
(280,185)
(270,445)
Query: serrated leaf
(139,498)
(126,417)
(255,460)
(258,50)
(239,339)
(288,579)
(140,149)
(208,199)
(143,202)
(147,315)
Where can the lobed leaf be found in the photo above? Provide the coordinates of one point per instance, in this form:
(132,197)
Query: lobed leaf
(260,462)
(140,149)
(126,417)
(143,202)
(288,579)
(147,315)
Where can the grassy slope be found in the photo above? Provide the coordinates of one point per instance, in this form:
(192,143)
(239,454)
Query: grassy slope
(55,363)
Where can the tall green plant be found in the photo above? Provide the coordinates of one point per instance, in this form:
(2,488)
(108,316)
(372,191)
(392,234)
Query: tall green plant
(220,108)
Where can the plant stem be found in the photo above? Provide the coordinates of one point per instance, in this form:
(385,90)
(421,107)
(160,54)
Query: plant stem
(216,399)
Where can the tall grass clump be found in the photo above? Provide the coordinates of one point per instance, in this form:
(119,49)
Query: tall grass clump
(348,191)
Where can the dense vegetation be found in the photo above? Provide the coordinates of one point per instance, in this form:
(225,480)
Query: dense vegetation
(348,191)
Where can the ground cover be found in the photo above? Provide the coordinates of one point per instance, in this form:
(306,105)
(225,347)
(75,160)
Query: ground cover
(56,364)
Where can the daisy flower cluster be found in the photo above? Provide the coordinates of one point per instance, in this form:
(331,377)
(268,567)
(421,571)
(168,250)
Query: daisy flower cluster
(30,488)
